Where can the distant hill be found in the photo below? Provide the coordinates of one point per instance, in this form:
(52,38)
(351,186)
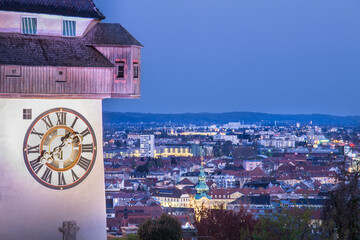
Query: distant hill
(221,118)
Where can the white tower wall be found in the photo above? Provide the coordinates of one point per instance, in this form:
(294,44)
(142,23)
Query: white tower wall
(29,210)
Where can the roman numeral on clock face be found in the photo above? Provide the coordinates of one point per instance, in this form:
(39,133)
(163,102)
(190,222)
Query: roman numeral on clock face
(47,175)
(85,132)
(61,118)
(61,179)
(37,133)
(36,165)
(87,148)
(84,163)
(35,149)
(74,122)
(74,176)
(47,122)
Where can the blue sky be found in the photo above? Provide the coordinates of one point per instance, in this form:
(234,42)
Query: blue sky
(283,56)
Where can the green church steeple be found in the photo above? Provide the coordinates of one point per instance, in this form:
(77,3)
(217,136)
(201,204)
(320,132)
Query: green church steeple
(201,188)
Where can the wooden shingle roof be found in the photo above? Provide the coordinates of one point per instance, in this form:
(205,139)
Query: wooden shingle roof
(110,34)
(40,50)
(34,50)
(73,8)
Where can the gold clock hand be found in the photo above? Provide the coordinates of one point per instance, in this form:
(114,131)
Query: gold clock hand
(49,157)
(67,141)
(46,158)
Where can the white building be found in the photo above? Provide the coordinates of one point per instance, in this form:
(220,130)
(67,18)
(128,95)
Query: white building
(233,125)
(147,145)
(237,125)
(287,141)
(250,165)
(223,181)
(231,138)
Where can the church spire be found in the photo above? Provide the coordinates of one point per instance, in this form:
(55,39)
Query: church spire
(201,188)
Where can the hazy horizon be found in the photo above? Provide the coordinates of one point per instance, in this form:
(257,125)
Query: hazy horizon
(285,57)
(325,114)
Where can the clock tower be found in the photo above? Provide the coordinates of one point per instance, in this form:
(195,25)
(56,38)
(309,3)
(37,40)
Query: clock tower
(58,61)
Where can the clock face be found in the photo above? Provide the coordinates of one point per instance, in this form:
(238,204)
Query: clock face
(60,148)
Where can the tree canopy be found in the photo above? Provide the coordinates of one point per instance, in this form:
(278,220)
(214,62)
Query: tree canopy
(222,224)
(164,228)
(293,223)
(342,210)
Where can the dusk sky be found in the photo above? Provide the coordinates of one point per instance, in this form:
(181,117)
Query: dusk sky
(282,56)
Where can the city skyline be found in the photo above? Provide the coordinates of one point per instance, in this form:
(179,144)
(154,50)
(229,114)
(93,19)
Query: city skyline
(178,175)
(283,57)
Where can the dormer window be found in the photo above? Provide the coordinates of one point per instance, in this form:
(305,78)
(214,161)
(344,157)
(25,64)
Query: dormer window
(29,25)
(69,28)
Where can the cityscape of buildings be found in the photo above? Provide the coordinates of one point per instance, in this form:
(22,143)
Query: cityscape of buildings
(179,169)
(84,172)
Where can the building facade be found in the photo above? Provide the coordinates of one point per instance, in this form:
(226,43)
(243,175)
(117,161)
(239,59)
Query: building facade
(57,63)
(147,146)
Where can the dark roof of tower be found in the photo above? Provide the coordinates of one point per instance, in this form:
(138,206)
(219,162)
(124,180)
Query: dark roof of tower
(40,50)
(36,50)
(110,34)
(73,8)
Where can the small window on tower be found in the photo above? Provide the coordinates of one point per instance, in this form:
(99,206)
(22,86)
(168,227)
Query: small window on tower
(29,25)
(136,70)
(69,28)
(27,113)
(120,70)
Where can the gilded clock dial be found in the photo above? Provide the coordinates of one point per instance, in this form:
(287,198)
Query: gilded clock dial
(60,148)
